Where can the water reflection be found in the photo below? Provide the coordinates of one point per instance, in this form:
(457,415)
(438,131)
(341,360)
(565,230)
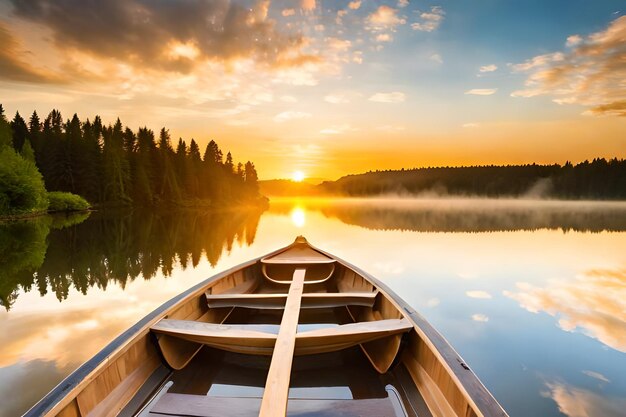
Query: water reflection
(23,246)
(466,215)
(594,302)
(568,360)
(56,254)
(298,217)
(579,402)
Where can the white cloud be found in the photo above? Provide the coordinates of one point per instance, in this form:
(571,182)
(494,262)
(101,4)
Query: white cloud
(488,68)
(471,125)
(291,115)
(394,97)
(336,99)
(480,317)
(478,294)
(481,91)
(573,40)
(403,3)
(354,5)
(436,58)
(429,21)
(385,18)
(384,37)
(288,12)
(337,44)
(538,61)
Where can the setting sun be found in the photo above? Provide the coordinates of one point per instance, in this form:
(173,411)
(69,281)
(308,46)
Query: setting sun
(298,176)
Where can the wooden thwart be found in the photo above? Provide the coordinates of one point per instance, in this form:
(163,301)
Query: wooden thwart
(277,301)
(274,402)
(259,339)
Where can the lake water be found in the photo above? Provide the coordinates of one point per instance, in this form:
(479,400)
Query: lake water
(532,294)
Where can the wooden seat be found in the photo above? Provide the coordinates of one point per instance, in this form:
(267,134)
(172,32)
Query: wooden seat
(206,406)
(277,301)
(259,339)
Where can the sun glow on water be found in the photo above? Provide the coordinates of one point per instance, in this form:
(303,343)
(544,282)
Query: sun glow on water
(298,218)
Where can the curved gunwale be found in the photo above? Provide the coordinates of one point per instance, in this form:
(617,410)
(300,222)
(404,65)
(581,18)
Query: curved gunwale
(471,387)
(60,396)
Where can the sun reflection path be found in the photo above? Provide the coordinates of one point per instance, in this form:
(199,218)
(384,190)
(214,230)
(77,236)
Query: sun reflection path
(298,217)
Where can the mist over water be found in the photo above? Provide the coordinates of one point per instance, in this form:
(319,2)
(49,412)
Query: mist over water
(466,214)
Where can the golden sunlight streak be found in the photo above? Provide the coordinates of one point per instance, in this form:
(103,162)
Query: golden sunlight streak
(298,218)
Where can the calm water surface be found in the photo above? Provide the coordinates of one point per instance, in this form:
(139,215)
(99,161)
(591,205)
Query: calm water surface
(532,294)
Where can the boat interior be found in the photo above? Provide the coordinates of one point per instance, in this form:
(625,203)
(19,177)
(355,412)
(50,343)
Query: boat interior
(295,333)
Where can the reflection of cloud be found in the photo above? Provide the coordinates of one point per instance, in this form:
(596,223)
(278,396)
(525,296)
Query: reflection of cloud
(591,73)
(389,268)
(578,402)
(480,317)
(596,375)
(31,381)
(478,294)
(433,302)
(594,302)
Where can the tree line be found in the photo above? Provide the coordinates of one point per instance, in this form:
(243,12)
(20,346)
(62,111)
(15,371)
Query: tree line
(112,164)
(598,179)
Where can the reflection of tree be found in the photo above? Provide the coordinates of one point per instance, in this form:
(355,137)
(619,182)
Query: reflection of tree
(22,250)
(470,215)
(114,247)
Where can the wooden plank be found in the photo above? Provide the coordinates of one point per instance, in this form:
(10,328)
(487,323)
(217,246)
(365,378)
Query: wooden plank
(347,335)
(274,402)
(205,406)
(277,301)
(260,339)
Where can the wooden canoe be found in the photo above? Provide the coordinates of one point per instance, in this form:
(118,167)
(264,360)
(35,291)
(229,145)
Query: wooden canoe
(298,332)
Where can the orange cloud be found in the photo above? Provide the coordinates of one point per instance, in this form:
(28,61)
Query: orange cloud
(12,65)
(384,18)
(591,74)
(429,21)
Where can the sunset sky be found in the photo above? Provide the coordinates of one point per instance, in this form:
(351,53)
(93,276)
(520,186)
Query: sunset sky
(332,87)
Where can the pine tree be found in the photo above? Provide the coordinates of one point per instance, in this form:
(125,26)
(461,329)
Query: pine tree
(20,131)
